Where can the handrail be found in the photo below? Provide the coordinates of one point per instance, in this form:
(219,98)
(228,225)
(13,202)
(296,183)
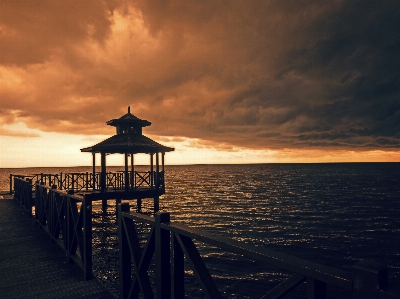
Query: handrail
(304,267)
(87,181)
(171,242)
(23,193)
(67,218)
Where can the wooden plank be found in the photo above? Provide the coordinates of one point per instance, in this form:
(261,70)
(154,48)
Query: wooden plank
(33,266)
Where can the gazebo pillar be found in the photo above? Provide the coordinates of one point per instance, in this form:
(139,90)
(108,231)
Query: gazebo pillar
(126,173)
(103,173)
(156,197)
(151,171)
(132,173)
(157,171)
(94,171)
(163,169)
(103,178)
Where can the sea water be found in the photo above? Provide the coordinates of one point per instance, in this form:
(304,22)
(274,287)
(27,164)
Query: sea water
(335,214)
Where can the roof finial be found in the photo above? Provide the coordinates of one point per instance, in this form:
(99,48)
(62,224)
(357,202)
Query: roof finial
(129,109)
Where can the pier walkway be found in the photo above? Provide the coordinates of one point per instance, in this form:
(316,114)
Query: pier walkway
(157,258)
(32,266)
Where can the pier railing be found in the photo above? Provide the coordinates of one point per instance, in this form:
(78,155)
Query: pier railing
(170,243)
(65,217)
(23,193)
(87,181)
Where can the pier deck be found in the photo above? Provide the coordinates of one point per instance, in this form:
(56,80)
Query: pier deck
(32,266)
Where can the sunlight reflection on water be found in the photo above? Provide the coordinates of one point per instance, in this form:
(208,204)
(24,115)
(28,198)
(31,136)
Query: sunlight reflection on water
(334,214)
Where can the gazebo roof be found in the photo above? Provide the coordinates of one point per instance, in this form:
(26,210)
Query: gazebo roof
(128,143)
(130,119)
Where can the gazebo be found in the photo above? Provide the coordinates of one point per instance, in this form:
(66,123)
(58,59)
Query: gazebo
(129,184)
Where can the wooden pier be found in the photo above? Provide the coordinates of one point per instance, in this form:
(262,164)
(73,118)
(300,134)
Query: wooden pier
(32,263)
(32,266)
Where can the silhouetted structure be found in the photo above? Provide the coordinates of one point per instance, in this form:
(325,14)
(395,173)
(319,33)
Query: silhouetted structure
(129,141)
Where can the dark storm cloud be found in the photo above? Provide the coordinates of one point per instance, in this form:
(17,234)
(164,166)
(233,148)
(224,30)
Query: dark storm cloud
(259,74)
(34,30)
(354,58)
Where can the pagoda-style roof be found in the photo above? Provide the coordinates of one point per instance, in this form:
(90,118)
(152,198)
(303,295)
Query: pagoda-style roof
(129,119)
(128,143)
(129,138)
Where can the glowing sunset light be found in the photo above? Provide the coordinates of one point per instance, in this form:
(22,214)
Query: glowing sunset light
(252,82)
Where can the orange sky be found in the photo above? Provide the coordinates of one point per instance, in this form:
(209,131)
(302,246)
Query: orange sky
(248,82)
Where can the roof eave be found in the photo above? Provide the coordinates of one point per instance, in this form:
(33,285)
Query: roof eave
(87,149)
(128,150)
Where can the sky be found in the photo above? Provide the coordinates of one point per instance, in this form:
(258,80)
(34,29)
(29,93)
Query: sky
(221,81)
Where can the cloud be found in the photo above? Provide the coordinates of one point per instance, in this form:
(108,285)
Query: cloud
(259,74)
(5,131)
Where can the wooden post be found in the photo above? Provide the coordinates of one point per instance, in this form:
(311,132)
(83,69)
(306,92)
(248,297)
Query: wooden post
(162,257)
(315,289)
(103,180)
(11,183)
(29,198)
(65,224)
(104,206)
(87,238)
(38,202)
(87,181)
(52,212)
(151,171)
(177,284)
(117,203)
(126,173)
(157,172)
(94,171)
(132,172)
(156,203)
(163,170)
(103,173)
(124,254)
(368,278)
(139,205)
(15,188)
(69,223)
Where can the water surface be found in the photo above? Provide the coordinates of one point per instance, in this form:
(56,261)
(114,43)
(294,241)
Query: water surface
(335,214)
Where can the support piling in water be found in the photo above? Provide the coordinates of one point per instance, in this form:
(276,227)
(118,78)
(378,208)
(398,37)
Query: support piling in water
(104,206)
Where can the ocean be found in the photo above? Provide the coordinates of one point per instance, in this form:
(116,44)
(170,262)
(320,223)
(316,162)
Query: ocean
(331,213)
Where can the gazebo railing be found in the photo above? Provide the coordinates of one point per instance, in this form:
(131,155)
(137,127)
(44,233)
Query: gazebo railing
(115,180)
(142,179)
(87,181)
(76,181)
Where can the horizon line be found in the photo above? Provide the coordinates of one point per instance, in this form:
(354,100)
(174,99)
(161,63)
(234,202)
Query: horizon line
(200,164)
